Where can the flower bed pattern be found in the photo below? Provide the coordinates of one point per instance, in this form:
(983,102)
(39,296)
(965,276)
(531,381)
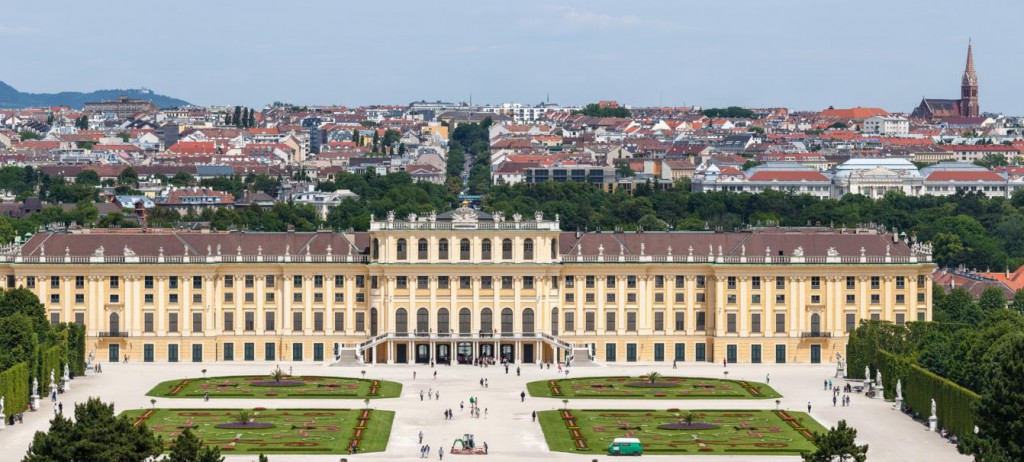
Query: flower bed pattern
(732,432)
(665,388)
(291,387)
(291,431)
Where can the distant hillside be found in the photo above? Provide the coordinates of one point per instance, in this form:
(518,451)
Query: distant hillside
(11,98)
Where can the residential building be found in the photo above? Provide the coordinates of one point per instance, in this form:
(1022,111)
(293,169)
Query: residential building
(886,125)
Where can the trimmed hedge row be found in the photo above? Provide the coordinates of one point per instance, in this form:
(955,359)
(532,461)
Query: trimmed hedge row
(953,403)
(50,359)
(14,385)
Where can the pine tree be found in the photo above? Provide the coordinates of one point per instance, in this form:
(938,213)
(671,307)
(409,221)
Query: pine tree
(227,119)
(238,115)
(252,118)
(837,445)
(264,458)
(998,412)
(189,448)
(94,434)
(355,135)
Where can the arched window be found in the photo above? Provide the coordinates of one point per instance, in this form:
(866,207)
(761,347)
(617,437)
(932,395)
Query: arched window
(442,249)
(506,321)
(373,321)
(528,249)
(402,321)
(464,249)
(422,320)
(402,250)
(422,249)
(554,249)
(375,249)
(506,249)
(465,321)
(115,323)
(554,321)
(485,250)
(528,321)
(486,323)
(815,323)
(443,326)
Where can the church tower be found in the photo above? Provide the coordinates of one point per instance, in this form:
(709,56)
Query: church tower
(969,88)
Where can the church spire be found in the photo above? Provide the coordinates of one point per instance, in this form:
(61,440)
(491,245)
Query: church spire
(969,86)
(970,76)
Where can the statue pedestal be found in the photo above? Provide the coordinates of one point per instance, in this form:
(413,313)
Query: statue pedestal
(898,404)
(867,384)
(3,421)
(879,392)
(67,382)
(840,372)
(34,401)
(933,424)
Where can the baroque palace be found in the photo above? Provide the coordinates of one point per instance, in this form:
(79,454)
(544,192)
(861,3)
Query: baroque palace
(465,285)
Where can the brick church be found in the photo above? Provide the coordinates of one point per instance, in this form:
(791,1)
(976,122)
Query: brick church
(966,106)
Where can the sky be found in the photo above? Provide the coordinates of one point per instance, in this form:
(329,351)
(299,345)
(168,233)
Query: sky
(801,54)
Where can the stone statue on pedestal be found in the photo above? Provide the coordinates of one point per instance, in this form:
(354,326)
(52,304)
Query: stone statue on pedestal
(899,389)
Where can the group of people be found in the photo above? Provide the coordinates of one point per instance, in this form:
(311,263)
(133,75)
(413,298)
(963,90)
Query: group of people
(836,390)
(425,449)
(431,394)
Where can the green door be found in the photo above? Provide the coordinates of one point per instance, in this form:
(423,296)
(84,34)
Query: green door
(701,352)
(229,351)
(147,353)
(730,353)
(609,352)
(250,351)
(815,354)
(318,352)
(197,353)
(680,352)
(755,354)
(269,351)
(630,352)
(114,353)
(659,352)
(296,352)
(172,353)
(780,354)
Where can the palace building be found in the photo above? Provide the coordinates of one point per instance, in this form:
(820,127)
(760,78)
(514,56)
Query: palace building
(465,284)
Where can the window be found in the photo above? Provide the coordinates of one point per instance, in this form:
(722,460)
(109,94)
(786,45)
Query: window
(339,281)
(229,281)
(465,321)
(701,281)
(610,298)
(506,249)
(920,297)
(54,282)
(270,321)
(360,281)
(486,321)
(659,352)
(250,321)
(680,282)
(296,352)
(339,297)
(631,282)
(269,297)
(920,282)
(659,320)
(730,299)
(147,322)
(730,323)
(115,282)
(570,282)
(780,299)
(755,282)
(631,321)
(589,322)
(506,282)
(197,321)
(54,298)
(569,321)
(755,323)
(680,320)
(30,282)
(851,283)
(402,250)
(780,283)
(318,281)
(360,297)
(172,299)
(815,282)
(589,282)
(755,299)
(659,297)
(701,297)
(197,282)
(148,298)
(851,322)
(229,320)
(900,299)
(250,281)
(80,298)
(80,319)
(680,352)
(901,319)
(900,282)
(271,280)
(464,250)
(269,352)
(815,299)
(422,320)
(464,282)
(875,299)
(485,249)
(401,282)
(486,282)
(701,321)
(297,321)
(609,282)
(780,323)
(229,351)
(229,297)
(147,282)
(442,282)
(875,282)
(680,297)
(659,282)
(609,352)
(730,282)
(570,297)
(780,354)
(318,321)
(360,322)
(172,322)
(507,319)
(528,249)
(197,298)
(851,299)
(442,321)
(297,297)
(442,249)
(422,249)
(528,282)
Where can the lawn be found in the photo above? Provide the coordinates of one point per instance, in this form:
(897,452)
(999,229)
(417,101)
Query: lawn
(288,387)
(281,431)
(759,432)
(664,387)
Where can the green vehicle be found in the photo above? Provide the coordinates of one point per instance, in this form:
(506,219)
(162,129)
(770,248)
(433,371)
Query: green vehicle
(625,447)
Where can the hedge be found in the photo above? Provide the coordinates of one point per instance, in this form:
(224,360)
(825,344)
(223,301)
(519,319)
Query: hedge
(50,359)
(14,387)
(953,403)
(76,348)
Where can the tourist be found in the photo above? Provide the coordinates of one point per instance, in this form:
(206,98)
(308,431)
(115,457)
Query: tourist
(517,371)
(435,374)
(485,447)
(462,405)
(833,400)
(534,415)
(437,395)
(423,450)
(440,453)
(506,367)
(808,407)
(767,378)
(421,395)
(485,412)
(481,382)
(674,361)
(421,436)
(826,385)
(485,383)
(723,362)
(414,375)
(126,359)
(522,397)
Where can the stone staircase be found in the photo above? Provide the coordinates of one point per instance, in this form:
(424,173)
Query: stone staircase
(581,357)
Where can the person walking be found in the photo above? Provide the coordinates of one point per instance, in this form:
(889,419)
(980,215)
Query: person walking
(833,400)
(485,448)
(534,415)
(485,412)
(517,371)
(60,408)
(522,397)
(437,395)
(767,378)
(435,374)
(723,362)
(808,407)
(486,383)
(421,436)
(674,362)
(462,405)
(421,395)
(440,453)
(414,375)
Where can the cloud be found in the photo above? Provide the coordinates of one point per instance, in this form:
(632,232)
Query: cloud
(18,31)
(592,20)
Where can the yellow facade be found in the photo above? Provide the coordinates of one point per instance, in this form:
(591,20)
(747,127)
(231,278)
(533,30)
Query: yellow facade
(465,285)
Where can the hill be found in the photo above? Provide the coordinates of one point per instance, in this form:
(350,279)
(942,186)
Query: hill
(10,98)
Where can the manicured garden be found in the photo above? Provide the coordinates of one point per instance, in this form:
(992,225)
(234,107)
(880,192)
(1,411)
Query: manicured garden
(277,386)
(753,432)
(281,431)
(647,387)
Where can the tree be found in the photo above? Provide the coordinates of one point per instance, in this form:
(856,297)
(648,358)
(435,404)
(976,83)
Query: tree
(998,413)
(734,112)
(26,135)
(837,445)
(623,170)
(82,123)
(128,176)
(1018,301)
(251,121)
(87,178)
(596,110)
(189,448)
(991,300)
(653,377)
(237,118)
(95,434)
(263,458)
(182,178)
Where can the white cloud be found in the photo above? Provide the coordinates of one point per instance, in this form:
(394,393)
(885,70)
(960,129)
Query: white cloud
(589,19)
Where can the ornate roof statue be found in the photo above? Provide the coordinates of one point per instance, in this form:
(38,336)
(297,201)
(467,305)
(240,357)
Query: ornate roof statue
(538,215)
(798,252)
(832,252)
(128,252)
(464,214)
(98,252)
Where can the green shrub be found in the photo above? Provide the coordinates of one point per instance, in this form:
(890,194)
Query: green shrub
(14,387)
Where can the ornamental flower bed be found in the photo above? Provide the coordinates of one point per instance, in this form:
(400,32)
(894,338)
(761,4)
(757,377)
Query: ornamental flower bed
(662,388)
(287,387)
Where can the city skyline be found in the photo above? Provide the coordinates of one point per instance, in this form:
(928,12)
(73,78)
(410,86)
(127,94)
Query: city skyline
(745,54)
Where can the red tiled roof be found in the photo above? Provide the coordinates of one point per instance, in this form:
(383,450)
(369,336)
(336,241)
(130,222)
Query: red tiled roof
(970,175)
(854,113)
(786,175)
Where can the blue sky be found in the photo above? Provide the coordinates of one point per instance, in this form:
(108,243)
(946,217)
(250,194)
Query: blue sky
(803,54)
